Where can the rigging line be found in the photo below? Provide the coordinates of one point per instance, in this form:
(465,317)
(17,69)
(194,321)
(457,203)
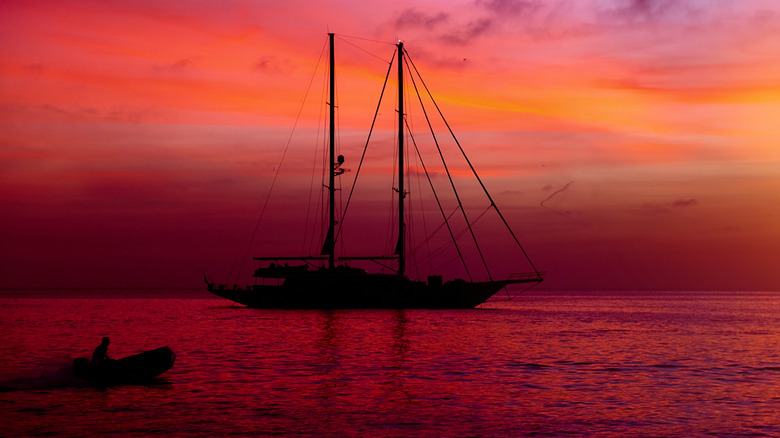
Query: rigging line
(423,212)
(279,166)
(365,148)
(320,125)
(436,196)
(490,198)
(528,287)
(342,36)
(392,217)
(449,176)
(410,213)
(461,233)
(442,266)
(392,213)
(362,49)
(433,234)
(324,195)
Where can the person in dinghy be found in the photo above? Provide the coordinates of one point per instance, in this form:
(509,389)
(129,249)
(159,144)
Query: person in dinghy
(100,359)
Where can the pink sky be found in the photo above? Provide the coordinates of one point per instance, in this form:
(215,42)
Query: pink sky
(632,144)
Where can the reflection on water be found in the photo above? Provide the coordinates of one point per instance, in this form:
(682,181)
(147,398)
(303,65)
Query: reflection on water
(551,364)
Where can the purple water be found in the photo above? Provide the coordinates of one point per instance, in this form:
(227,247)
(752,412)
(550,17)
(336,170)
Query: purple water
(551,364)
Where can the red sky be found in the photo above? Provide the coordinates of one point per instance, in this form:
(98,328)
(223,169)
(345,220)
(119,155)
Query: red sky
(632,144)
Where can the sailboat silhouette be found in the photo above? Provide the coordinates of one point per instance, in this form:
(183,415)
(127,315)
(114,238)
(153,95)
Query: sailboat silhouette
(328,281)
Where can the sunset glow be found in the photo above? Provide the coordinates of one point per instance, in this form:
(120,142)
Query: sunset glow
(632,144)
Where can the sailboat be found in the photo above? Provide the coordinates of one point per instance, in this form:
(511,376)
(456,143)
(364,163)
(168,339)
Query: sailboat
(330,281)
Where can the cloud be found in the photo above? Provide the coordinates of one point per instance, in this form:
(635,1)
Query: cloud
(687,12)
(647,7)
(665,208)
(273,64)
(35,69)
(509,7)
(75,113)
(267,63)
(495,15)
(685,203)
(441,23)
(471,31)
(177,66)
(410,18)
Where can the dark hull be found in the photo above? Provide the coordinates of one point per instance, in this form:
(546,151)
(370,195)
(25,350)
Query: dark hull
(136,368)
(367,291)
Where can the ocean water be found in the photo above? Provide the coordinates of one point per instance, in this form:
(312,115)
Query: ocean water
(544,364)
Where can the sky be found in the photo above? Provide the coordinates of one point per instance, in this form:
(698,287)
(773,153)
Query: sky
(631,144)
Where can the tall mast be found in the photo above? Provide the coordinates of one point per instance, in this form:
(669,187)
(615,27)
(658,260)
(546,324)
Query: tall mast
(330,240)
(400,248)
